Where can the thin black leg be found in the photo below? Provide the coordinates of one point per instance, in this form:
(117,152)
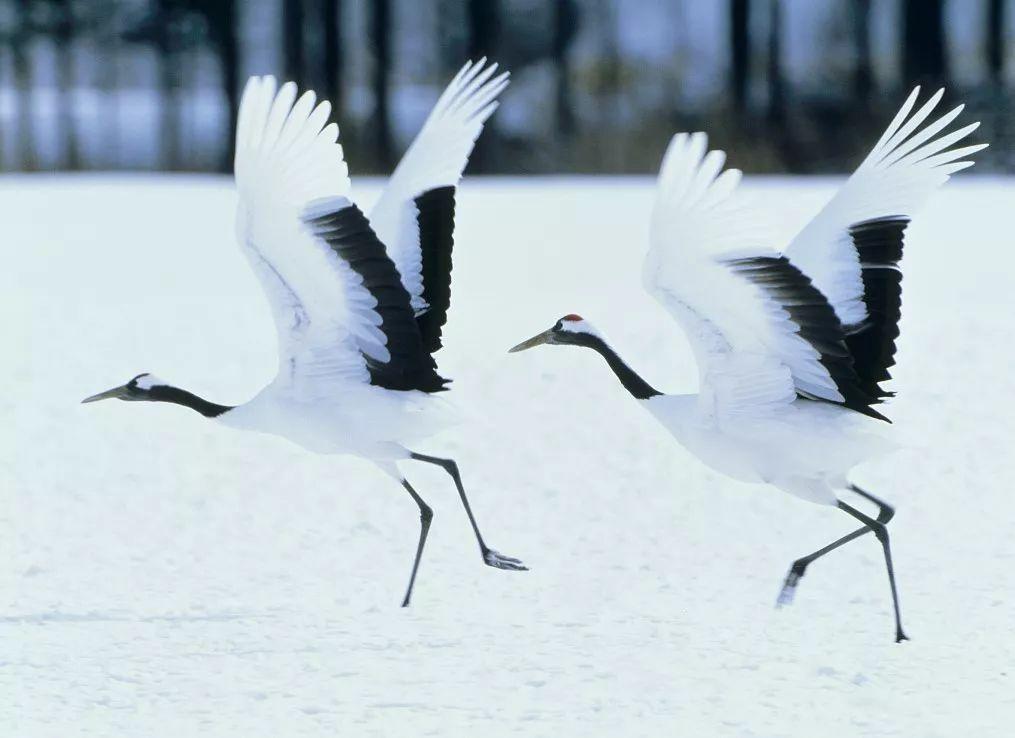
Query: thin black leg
(796,572)
(882,535)
(425,516)
(490,557)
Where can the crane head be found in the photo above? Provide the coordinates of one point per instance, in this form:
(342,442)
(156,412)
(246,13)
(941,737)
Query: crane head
(138,388)
(571,329)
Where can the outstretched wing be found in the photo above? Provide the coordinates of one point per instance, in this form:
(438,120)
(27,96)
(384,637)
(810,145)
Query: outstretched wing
(904,167)
(851,249)
(761,332)
(340,310)
(415,215)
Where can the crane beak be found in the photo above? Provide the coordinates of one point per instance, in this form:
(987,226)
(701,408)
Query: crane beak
(539,340)
(116,392)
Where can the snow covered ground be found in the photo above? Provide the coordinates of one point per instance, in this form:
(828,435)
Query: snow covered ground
(163,576)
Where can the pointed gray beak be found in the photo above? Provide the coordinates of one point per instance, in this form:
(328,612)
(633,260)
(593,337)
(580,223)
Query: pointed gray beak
(115,393)
(538,340)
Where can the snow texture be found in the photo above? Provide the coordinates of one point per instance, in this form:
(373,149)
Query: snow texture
(161,575)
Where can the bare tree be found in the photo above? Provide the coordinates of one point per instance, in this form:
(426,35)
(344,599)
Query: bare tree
(863,73)
(22,37)
(105,22)
(221,19)
(380,41)
(776,83)
(159,26)
(779,124)
(923,42)
(292,29)
(740,53)
(484,27)
(63,33)
(607,89)
(995,40)
(565,24)
(333,77)
(169,83)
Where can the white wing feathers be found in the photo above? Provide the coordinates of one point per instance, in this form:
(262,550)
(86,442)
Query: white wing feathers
(904,167)
(436,158)
(739,334)
(285,153)
(766,326)
(286,159)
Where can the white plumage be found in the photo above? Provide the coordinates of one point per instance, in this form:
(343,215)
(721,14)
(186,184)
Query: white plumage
(290,167)
(357,322)
(436,158)
(286,159)
(901,171)
(791,346)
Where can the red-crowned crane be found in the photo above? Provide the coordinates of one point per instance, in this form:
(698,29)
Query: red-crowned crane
(358,304)
(791,347)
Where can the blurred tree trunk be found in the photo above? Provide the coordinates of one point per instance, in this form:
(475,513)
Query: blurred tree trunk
(107,61)
(169,129)
(565,24)
(63,34)
(483,40)
(169,83)
(995,41)
(229,51)
(333,77)
(863,73)
(313,46)
(740,51)
(452,35)
(222,27)
(608,80)
(22,37)
(607,90)
(380,41)
(776,83)
(923,43)
(484,28)
(292,29)
(778,122)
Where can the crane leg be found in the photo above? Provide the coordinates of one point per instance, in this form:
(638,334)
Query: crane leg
(881,532)
(490,556)
(796,572)
(877,526)
(425,517)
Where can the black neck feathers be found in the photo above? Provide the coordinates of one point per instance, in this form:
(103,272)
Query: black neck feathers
(177,396)
(633,383)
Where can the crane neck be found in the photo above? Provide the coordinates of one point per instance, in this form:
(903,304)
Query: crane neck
(632,381)
(177,396)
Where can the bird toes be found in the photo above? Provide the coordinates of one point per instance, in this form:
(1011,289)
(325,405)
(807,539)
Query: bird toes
(788,591)
(786,596)
(796,573)
(500,561)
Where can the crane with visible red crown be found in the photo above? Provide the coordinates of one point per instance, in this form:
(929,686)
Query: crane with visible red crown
(791,347)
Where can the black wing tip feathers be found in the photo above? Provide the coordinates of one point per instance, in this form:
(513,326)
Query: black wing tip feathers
(435,217)
(878,241)
(347,231)
(879,245)
(818,324)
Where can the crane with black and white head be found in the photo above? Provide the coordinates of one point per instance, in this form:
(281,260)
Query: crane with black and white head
(357,322)
(791,347)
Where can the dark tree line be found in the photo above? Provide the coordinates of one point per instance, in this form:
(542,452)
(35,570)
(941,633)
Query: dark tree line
(923,59)
(316,44)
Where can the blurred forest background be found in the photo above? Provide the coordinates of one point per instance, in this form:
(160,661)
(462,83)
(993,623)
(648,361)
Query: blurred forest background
(598,85)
